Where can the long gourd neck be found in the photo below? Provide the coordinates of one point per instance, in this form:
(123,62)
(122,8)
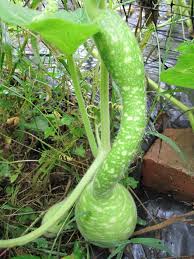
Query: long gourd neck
(127,71)
(110,212)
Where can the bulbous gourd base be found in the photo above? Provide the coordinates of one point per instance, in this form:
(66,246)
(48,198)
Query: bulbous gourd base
(106,221)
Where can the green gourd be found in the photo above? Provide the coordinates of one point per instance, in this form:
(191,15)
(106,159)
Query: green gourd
(106,213)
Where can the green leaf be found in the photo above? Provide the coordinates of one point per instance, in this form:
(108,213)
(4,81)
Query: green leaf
(118,250)
(77,132)
(37,123)
(16,14)
(152,242)
(13,177)
(35,3)
(130,181)
(186,47)
(5,170)
(141,221)
(66,120)
(49,132)
(80,151)
(66,31)
(170,142)
(26,215)
(182,74)
(78,251)
(62,32)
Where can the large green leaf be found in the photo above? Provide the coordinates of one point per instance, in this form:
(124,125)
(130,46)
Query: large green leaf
(64,30)
(63,33)
(182,74)
(15,14)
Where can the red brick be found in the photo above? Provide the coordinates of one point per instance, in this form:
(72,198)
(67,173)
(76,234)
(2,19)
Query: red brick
(164,170)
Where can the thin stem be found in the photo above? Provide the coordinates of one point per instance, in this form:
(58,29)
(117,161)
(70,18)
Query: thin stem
(173,100)
(191,119)
(87,125)
(20,55)
(68,203)
(19,161)
(183,10)
(104,108)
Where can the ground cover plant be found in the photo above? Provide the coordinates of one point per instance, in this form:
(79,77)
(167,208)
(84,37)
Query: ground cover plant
(105,212)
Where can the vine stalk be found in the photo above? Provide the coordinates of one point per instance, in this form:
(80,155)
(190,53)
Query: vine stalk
(87,125)
(173,100)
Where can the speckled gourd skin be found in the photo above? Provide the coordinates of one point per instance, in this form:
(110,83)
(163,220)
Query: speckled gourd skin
(105,222)
(121,54)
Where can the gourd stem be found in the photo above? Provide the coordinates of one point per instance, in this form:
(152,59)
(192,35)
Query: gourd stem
(173,100)
(87,125)
(68,203)
(104,108)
